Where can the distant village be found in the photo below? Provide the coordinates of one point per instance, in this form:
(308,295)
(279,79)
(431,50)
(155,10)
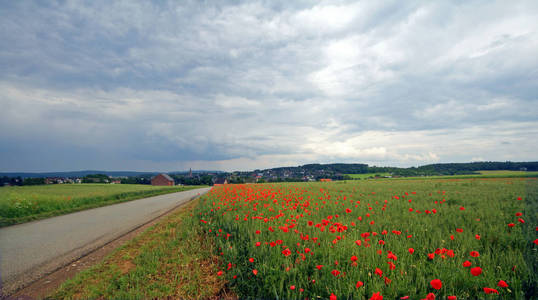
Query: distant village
(309,172)
(292,174)
(185,178)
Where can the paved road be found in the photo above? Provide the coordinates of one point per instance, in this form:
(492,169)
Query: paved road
(28,251)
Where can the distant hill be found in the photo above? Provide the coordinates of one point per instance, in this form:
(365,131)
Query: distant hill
(78,174)
(329,170)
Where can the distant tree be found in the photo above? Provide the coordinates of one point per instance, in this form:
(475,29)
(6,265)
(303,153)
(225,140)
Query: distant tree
(96,178)
(33,181)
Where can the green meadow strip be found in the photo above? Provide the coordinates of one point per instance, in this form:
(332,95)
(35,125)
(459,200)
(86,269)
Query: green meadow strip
(28,203)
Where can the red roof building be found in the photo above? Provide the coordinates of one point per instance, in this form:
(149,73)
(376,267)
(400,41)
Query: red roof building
(162,179)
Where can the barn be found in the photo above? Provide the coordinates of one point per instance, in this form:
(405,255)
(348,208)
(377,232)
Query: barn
(162,179)
(219,181)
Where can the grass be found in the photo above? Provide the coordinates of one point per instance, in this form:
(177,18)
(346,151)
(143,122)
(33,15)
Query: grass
(19,204)
(224,231)
(170,259)
(483,174)
(366,175)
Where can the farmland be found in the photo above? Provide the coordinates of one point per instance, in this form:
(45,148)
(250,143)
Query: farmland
(26,203)
(367,175)
(397,238)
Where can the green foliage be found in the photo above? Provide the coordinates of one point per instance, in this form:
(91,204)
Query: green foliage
(96,178)
(33,181)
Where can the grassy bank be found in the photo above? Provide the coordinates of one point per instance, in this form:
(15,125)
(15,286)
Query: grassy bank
(171,259)
(21,204)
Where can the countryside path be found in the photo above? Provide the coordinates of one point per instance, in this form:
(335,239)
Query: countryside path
(30,250)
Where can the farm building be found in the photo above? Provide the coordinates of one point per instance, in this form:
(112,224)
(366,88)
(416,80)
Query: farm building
(220,181)
(162,179)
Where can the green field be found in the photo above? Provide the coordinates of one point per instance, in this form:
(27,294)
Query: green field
(20,204)
(483,174)
(367,175)
(350,239)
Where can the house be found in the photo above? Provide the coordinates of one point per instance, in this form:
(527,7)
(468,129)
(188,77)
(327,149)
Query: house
(220,181)
(162,179)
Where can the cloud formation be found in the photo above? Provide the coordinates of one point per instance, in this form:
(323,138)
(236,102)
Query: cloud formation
(242,85)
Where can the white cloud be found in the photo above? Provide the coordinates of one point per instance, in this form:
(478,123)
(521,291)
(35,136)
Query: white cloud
(251,85)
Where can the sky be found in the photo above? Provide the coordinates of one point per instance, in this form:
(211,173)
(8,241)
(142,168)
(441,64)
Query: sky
(244,85)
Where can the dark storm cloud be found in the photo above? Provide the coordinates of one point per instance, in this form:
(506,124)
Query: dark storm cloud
(240,85)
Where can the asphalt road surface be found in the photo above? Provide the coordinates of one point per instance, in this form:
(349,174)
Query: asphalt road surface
(30,250)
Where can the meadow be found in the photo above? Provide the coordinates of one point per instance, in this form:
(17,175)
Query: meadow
(367,175)
(416,239)
(20,204)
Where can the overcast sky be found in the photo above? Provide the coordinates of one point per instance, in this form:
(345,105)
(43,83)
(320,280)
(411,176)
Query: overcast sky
(231,85)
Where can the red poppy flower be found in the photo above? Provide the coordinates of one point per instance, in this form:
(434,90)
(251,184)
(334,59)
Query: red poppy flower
(292,287)
(511,224)
(387,281)
(251,260)
(518,198)
(319,267)
(378,272)
(459,230)
(431,256)
(430,296)
(376,296)
(255,272)
(536,242)
(404,297)
(521,220)
(462,208)
(474,254)
(518,214)
(359,284)
(502,284)
(477,237)
(467,264)
(476,271)
(219,273)
(335,272)
(411,250)
(353,258)
(332,297)
(490,291)
(258,244)
(452,298)
(436,284)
